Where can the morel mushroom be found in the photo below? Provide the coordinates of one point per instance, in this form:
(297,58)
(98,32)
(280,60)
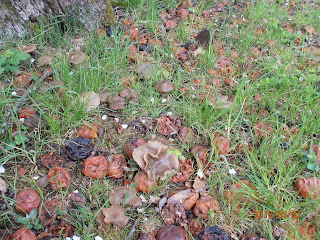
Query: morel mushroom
(154,159)
(164,86)
(115,215)
(27,200)
(116,166)
(124,196)
(308,187)
(142,183)
(95,167)
(204,205)
(59,177)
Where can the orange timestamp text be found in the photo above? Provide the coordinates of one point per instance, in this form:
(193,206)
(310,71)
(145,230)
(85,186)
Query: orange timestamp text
(279,214)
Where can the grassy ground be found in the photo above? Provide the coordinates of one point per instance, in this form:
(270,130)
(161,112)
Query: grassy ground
(283,93)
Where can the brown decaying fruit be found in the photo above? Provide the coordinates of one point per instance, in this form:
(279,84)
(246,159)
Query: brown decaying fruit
(143,184)
(221,144)
(88,131)
(170,24)
(95,167)
(147,236)
(116,166)
(204,205)
(131,145)
(24,234)
(23,80)
(167,125)
(195,226)
(27,112)
(172,232)
(185,172)
(27,200)
(191,201)
(174,213)
(59,178)
(308,187)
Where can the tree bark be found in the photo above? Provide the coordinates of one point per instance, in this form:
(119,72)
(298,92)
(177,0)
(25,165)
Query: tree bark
(18,16)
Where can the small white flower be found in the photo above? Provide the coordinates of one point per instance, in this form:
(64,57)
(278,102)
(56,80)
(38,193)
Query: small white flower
(145,219)
(169,113)
(137,29)
(111,36)
(75,191)
(21,119)
(75,238)
(68,238)
(282,136)
(32,60)
(124,126)
(200,173)
(32,151)
(143,199)
(134,112)
(152,100)
(232,171)
(98,238)
(116,119)
(27,215)
(14,93)
(36,177)
(2,169)
(70,73)
(140,210)
(164,100)
(104,117)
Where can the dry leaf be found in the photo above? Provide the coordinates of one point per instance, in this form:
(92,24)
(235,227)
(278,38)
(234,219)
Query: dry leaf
(3,186)
(91,99)
(221,102)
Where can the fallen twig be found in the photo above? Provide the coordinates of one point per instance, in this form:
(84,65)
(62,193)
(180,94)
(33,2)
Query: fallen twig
(133,228)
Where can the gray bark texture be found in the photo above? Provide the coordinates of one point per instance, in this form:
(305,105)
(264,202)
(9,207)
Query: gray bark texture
(16,16)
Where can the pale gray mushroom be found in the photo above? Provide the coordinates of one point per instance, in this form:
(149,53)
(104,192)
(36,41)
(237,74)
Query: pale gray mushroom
(124,196)
(29,49)
(164,86)
(115,215)
(76,58)
(154,159)
(44,61)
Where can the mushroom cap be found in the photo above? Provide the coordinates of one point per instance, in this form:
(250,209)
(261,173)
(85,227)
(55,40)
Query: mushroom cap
(131,94)
(153,158)
(116,102)
(44,61)
(91,98)
(28,49)
(76,57)
(124,195)
(115,215)
(105,95)
(164,86)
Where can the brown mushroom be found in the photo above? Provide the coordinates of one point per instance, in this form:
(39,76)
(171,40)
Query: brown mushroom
(105,96)
(164,86)
(308,187)
(172,232)
(131,94)
(90,99)
(124,196)
(116,166)
(115,215)
(95,167)
(142,183)
(204,205)
(76,58)
(44,61)
(27,200)
(59,177)
(116,102)
(88,131)
(24,234)
(131,145)
(154,159)
(147,236)
(29,49)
